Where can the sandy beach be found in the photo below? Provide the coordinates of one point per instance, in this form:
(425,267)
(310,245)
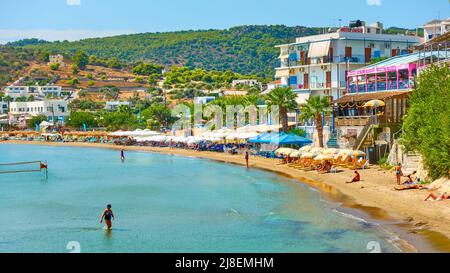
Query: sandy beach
(374,195)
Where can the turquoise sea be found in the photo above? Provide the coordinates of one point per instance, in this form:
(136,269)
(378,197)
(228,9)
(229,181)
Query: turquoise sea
(166,203)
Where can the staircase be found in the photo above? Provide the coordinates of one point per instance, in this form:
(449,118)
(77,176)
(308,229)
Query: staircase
(411,162)
(365,131)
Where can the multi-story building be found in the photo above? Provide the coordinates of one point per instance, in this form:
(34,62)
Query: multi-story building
(3,107)
(26,91)
(55,111)
(318,65)
(436,28)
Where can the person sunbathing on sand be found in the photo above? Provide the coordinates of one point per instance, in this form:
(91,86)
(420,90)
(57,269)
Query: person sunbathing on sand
(356,178)
(444,196)
(410,179)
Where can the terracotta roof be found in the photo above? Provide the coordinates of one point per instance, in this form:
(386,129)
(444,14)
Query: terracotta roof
(370,96)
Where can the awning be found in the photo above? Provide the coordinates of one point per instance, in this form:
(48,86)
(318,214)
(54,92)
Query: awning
(370,96)
(282,73)
(302,97)
(320,49)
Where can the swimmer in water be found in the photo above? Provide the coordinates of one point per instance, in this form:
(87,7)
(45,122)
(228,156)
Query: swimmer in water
(107,215)
(122,155)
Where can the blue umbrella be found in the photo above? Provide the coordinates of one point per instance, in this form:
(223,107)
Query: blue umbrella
(294,140)
(258,138)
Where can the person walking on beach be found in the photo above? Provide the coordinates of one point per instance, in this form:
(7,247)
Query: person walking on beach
(246,158)
(398,173)
(107,215)
(122,155)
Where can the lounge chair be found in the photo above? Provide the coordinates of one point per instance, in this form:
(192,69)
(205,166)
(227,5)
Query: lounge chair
(344,162)
(337,160)
(298,163)
(359,165)
(350,163)
(313,165)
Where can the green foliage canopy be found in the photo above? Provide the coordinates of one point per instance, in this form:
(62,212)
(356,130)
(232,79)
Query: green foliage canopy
(427,123)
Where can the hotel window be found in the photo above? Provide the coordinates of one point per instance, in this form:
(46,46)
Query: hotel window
(348,52)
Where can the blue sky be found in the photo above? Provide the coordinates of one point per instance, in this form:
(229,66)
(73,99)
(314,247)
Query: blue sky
(75,19)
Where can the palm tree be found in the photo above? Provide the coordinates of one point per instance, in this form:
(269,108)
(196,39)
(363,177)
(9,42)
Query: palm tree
(314,107)
(284,98)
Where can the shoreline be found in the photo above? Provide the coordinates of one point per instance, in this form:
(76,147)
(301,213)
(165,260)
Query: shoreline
(420,226)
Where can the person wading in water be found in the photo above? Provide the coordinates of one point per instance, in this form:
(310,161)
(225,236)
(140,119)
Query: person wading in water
(122,155)
(246,158)
(107,215)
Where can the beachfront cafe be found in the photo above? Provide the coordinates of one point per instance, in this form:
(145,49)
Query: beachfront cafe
(390,81)
(394,74)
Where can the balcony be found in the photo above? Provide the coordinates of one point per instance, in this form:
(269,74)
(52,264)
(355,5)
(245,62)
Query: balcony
(352,121)
(319,85)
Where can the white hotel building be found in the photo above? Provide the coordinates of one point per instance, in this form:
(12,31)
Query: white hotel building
(318,65)
(26,91)
(55,111)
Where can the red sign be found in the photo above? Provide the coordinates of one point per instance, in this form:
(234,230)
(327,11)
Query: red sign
(348,29)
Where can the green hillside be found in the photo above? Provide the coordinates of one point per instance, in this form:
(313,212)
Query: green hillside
(12,61)
(243,49)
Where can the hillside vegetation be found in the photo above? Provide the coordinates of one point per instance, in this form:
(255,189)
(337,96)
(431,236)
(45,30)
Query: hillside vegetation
(12,61)
(247,50)
(244,49)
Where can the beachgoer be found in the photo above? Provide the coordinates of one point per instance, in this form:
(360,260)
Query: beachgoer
(246,158)
(122,155)
(43,166)
(107,215)
(398,172)
(356,178)
(410,179)
(437,197)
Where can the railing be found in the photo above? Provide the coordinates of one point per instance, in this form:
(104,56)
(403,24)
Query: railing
(365,131)
(317,85)
(352,121)
(359,59)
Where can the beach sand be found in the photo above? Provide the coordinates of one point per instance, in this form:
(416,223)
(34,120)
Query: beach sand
(374,195)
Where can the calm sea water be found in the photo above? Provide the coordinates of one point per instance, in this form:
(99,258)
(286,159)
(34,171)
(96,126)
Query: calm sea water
(166,203)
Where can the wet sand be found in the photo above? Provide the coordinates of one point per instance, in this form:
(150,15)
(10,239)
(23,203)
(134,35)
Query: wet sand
(422,226)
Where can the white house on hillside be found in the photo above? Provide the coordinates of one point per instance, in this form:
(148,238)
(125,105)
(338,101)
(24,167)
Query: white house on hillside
(26,91)
(55,111)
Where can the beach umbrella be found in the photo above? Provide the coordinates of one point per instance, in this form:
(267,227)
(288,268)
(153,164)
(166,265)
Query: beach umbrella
(284,151)
(324,157)
(358,153)
(330,151)
(292,139)
(344,152)
(307,155)
(374,103)
(316,150)
(305,149)
(258,138)
(295,154)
